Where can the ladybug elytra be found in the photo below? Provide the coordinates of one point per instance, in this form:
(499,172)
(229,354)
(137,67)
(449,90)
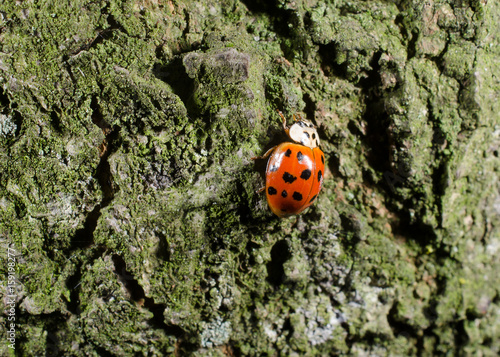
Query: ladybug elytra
(294,173)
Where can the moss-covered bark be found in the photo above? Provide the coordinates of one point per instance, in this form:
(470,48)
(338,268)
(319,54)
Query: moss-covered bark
(128,193)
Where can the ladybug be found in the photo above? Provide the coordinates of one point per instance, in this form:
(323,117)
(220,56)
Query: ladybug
(294,173)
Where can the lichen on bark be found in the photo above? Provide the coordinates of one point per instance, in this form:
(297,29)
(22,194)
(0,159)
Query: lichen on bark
(128,193)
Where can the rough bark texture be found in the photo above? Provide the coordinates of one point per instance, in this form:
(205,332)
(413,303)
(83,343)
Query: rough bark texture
(127,189)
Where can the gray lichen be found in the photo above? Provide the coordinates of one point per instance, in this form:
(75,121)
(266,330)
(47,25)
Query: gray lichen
(319,321)
(7,126)
(215,333)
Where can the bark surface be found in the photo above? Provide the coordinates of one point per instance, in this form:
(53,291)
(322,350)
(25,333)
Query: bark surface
(128,193)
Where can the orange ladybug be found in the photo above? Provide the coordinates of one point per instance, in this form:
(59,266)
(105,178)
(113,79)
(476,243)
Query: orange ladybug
(294,173)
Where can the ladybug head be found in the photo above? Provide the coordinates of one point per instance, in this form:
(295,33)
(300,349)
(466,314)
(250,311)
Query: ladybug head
(305,133)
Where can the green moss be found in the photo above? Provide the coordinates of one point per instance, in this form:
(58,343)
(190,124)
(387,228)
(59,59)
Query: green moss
(459,59)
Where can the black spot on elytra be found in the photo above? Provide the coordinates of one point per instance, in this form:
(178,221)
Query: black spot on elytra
(312,199)
(288,177)
(306,134)
(305,174)
(271,190)
(314,136)
(288,153)
(284,193)
(300,156)
(273,168)
(297,196)
(323,159)
(320,175)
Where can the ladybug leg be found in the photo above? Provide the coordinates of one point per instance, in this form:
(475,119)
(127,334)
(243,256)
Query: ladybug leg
(268,152)
(284,121)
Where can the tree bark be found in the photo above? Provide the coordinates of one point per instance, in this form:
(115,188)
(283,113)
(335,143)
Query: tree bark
(130,222)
